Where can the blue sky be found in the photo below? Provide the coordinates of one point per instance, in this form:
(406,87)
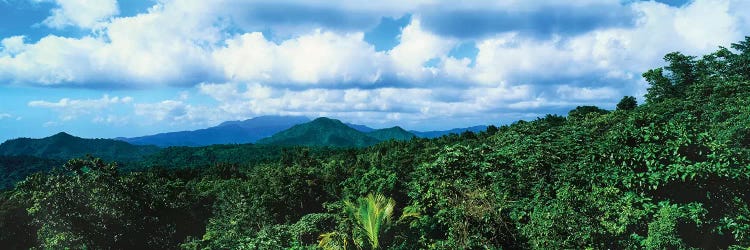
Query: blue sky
(113,68)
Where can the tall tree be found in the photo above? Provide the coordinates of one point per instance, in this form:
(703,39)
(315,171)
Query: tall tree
(627,103)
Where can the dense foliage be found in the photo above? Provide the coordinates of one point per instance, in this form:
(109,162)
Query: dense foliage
(671,173)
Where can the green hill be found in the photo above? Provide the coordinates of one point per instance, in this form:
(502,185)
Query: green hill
(321,132)
(65,146)
(396,133)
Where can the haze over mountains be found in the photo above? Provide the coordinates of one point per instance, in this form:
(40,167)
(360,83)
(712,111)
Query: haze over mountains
(230,132)
(255,129)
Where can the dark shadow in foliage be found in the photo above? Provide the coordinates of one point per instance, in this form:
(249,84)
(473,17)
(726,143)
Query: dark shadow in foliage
(716,194)
(16,229)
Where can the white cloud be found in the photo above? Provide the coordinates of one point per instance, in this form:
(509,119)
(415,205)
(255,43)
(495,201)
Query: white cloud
(5,115)
(70,109)
(80,13)
(52,60)
(177,112)
(586,94)
(611,55)
(161,47)
(12,45)
(311,59)
(416,47)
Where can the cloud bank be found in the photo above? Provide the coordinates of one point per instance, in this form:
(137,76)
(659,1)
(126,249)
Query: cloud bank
(294,57)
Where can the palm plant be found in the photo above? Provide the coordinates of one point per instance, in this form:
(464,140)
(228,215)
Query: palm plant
(371,216)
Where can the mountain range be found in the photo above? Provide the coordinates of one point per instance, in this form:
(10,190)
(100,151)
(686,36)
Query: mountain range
(231,132)
(24,156)
(255,129)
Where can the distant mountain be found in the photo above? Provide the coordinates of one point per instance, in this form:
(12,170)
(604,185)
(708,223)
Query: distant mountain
(396,133)
(360,128)
(64,146)
(436,134)
(231,132)
(321,132)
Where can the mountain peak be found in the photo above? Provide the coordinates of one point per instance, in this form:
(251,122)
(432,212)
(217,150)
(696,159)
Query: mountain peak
(325,119)
(395,133)
(62,135)
(397,128)
(322,131)
(329,122)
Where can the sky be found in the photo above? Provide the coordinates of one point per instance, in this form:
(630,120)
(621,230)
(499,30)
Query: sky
(109,68)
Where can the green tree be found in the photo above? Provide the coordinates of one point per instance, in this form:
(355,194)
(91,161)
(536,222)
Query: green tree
(583,111)
(682,71)
(661,88)
(371,216)
(627,103)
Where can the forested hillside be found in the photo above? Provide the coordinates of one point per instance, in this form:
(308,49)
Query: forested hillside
(66,146)
(321,132)
(394,133)
(672,173)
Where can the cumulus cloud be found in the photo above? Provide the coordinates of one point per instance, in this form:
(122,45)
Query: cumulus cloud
(293,57)
(415,48)
(80,13)
(178,112)
(381,106)
(12,45)
(70,109)
(156,48)
(314,59)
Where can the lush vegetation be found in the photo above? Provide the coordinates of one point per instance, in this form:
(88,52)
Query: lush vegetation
(671,173)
